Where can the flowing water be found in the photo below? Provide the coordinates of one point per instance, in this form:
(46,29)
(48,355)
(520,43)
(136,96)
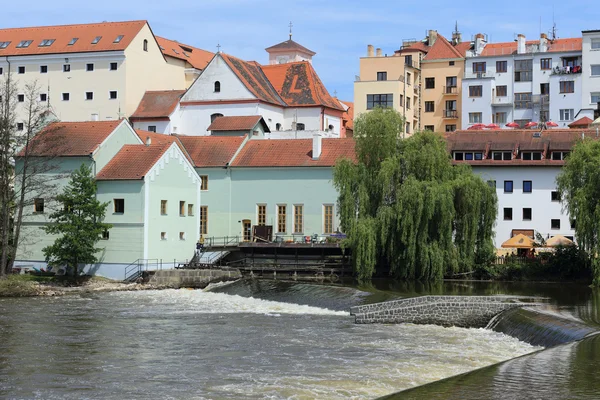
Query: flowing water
(251,339)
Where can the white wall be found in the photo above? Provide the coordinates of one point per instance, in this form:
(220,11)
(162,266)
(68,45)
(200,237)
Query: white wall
(590,83)
(309,116)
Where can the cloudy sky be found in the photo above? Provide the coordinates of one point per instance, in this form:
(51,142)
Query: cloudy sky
(338,31)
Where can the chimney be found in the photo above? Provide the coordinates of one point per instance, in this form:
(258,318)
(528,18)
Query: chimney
(317,146)
(378,52)
(432,37)
(370,50)
(543,43)
(148,141)
(521,49)
(479,43)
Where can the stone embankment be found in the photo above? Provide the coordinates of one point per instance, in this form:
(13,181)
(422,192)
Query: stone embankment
(461,311)
(192,278)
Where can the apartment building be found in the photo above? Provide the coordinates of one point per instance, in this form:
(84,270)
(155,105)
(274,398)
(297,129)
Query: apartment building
(523,81)
(590,95)
(94,71)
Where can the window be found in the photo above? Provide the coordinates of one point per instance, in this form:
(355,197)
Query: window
(278,126)
(43,97)
(567,86)
(492,184)
(527,186)
(508,186)
(451,81)
(20,126)
(119,206)
(4,45)
(328,218)
(190,210)
(379,100)
(65,96)
(300,126)
(181,235)
(203,220)
(566,114)
(66,67)
(523,70)
(459,156)
(527,214)
(408,78)
(408,60)
(281,218)
(151,128)
(21,70)
(572,223)
(24,44)
(429,106)
(89,95)
(163,207)
(1,70)
(408,127)
(20,98)
(298,218)
(594,96)
(502,155)
(595,44)
(145,45)
(546,63)
(554,196)
(595,70)
(73,41)
(450,63)
(501,91)
(182,208)
(429,83)
(507,214)
(408,103)
(501,66)
(450,128)
(555,224)
(43,69)
(38,205)
(163,236)
(89,67)
(499,118)
(217,87)
(522,100)
(475,118)
(559,155)
(96,39)
(203,182)
(113,66)
(475,91)
(544,88)
(112,94)
(382,76)
(430,128)
(215,116)
(531,155)
(105,235)
(262,214)
(118,39)
(479,67)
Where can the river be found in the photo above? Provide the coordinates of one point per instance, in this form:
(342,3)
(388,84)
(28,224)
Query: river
(245,340)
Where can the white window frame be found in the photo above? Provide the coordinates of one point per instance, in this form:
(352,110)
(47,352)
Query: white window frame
(62,96)
(164,236)
(594,94)
(85,97)
(111,64)
(595,44)
(19,70)
(67,67)
(473,119)
(116,92)
(597,67)
(566,112)
(42,66)
(89,70)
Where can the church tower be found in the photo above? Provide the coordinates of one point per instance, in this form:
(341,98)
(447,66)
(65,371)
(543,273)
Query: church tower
(289,51)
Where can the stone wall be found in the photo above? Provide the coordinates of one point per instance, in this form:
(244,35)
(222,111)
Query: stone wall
(194,278)
(461,311)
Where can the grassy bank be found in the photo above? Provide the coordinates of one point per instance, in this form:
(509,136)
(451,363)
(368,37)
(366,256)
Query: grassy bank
(19,286)
(32,285)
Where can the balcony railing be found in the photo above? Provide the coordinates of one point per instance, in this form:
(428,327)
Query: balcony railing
(540,98)
(412,64)
(477,75)
(451,114)
(502,101)
(566,70)
(450,90)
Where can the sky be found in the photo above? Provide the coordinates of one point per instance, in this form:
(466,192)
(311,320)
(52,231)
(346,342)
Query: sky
(338,31)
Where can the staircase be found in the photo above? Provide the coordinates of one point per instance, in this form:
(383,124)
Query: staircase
(137,269)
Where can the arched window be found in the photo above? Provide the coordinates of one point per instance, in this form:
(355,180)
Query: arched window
(299,126)
(217,87)
(215,116)
(145,45)
(278,126)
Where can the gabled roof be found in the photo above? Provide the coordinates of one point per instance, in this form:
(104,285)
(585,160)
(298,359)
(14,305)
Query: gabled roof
(211,151)
(463,47)
(64,34)
(509,48)
(238,123)
(70,139)
(160,139)
(132,162)
(289,45)
(198,58)
(348,115)
(442,49)
(293,153)
(158,104)
(252,76)
(299,85)
(581,122)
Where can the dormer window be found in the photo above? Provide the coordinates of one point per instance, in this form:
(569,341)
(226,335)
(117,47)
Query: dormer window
(531,155)
(24,43)
(502,155)
(46,42)
(118,39)
(217,87)
(96,39)
(72,42)
(4,45)
(145,45)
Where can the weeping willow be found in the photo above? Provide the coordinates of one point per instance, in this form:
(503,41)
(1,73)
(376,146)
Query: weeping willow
(406,209)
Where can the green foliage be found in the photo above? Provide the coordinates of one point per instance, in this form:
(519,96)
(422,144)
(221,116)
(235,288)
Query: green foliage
(79,223)
(579,188)
(406,208)
(17,286)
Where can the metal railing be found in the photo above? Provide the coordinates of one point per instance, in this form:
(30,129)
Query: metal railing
(451,114)
(476,75)
(450,90)
(136,269)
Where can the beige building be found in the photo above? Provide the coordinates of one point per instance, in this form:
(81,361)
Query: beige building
(422,81)
(91,71)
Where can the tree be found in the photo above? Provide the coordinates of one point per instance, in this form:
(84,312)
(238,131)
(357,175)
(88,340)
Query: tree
(406,209)
(79,223)
(579,188)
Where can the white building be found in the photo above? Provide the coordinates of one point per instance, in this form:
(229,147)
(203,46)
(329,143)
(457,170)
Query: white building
(591,73)
(523,81)
(523,166)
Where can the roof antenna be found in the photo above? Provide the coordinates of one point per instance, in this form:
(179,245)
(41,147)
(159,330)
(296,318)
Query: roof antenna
(291,26)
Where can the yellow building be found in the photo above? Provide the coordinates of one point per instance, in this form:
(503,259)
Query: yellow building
(422,81)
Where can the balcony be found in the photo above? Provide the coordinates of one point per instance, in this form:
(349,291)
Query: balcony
(566,70)
(450,90)
(540,99)
(450,114)
(477,75)
(502,101)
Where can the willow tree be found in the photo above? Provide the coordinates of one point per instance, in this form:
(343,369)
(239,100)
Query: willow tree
(579,188)
(406,209)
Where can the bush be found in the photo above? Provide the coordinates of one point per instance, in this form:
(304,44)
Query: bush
(18,286)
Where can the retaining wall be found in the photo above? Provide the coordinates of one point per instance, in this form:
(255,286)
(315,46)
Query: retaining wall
(196,278)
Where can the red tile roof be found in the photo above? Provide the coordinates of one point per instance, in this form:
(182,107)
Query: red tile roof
(463,47)
(157,104)
(348,115)
(508,48)
(64,34)
(211,151)
(236,123)
(160,139)
(287,46)
(293,153)
(584,122)
(442,49)
(70,139)
(252,76)
(197,58)
(299,85)
(416,46)
(132,162)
